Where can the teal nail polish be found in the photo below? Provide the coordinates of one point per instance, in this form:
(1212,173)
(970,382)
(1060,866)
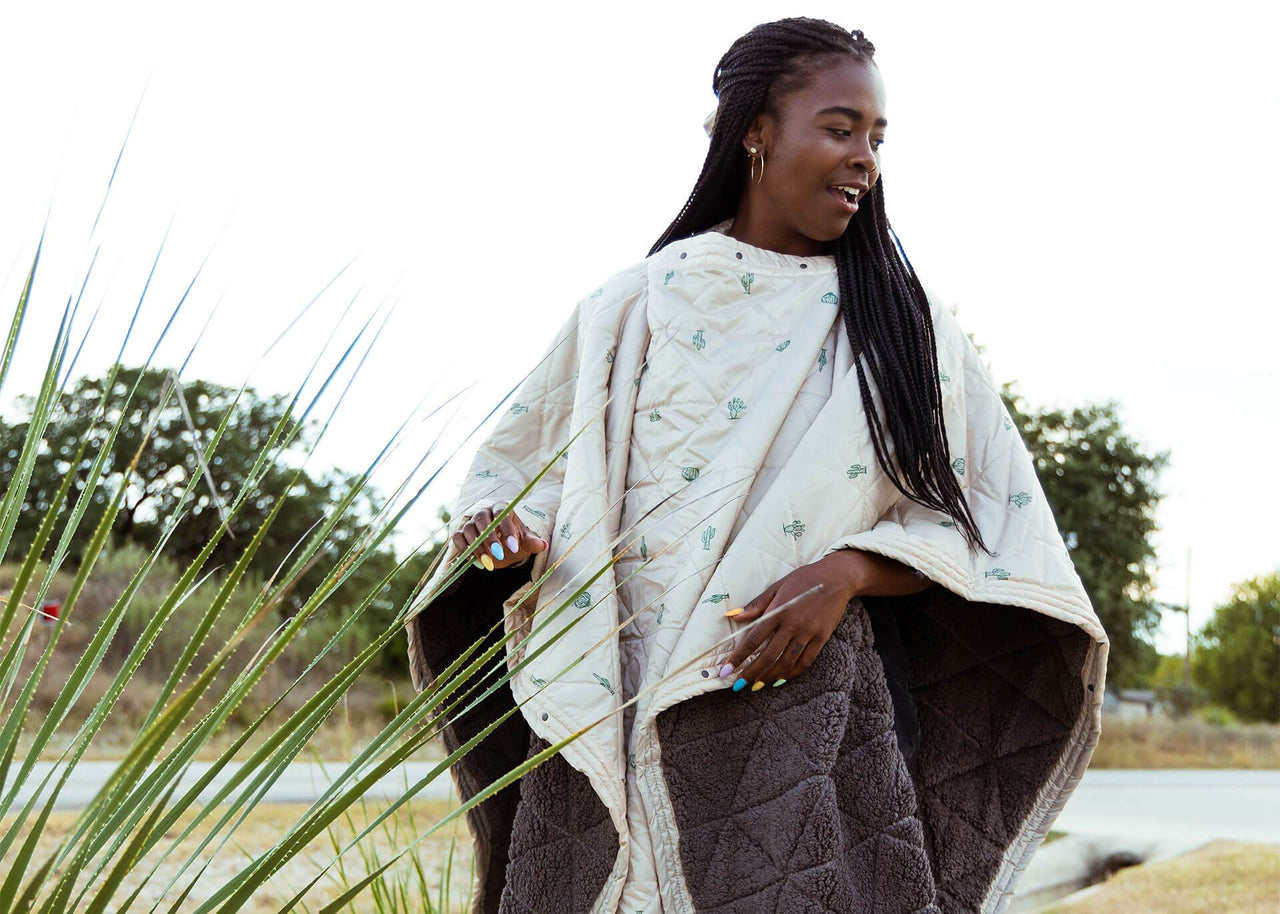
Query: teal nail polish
(479,564)
(496,550)
(737,686)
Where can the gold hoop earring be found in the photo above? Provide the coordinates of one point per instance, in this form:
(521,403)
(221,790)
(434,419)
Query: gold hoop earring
(753,166)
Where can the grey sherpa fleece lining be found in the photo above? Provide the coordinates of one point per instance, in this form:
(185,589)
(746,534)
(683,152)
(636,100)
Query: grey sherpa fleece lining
(799,798)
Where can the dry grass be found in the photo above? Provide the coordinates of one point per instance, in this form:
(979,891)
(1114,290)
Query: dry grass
(1189,743)
(1220,877)
(265,825)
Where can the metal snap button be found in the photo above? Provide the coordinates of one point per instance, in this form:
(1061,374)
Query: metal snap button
(684,254)
(545,715)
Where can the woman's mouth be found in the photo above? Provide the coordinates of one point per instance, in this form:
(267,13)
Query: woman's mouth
(848,199)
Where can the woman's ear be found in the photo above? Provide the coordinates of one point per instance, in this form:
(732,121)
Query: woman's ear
(755,134)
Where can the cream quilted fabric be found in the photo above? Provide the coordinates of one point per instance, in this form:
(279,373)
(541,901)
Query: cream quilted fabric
(715,374)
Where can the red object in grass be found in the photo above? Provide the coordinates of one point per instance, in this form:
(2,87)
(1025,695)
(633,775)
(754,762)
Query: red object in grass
(49,610)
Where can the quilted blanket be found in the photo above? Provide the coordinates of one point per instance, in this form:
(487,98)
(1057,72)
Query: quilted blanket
(799,798)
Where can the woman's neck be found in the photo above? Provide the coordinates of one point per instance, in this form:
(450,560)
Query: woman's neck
(756,229)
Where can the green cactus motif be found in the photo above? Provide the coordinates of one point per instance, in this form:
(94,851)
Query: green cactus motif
(644,550)
(666,279)
(566,530)
(662,608)
(597,293)
(822,359)
(486,474)
(609,355)
(783,345)
(604,682)
(518,409)
(707,536)
(689,473)
(699,341)
(943,376)
(631,763)
(747,280)
(735,407)
(654,415)
(855,471)
(998,573)
(830,298)
(1021,499)
(1007,424)
(946,523)
(716,598)
(534,511)
(794,529)
(958,465)
(540,683)
(583,600)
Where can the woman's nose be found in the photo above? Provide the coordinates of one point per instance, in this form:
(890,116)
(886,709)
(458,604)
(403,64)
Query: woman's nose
(863,155)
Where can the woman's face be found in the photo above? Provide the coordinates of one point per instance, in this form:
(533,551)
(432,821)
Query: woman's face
(830,134)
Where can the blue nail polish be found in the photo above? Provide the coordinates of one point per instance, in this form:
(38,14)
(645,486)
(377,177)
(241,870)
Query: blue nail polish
(496,550)
(737,686)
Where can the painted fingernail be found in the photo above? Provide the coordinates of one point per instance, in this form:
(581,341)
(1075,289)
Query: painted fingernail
(496,549)
(479,564)
(737,686)
(486,562)
(726,670)
(733,612)
(778,683)
(757,686)
(513,544)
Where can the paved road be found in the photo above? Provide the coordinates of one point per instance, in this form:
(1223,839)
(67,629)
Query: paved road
(1179,805)
(301,782)
(1161,805)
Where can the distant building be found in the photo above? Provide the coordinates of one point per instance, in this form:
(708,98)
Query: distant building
(1129,703)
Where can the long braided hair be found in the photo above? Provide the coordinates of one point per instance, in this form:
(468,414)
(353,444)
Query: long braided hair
(884,306)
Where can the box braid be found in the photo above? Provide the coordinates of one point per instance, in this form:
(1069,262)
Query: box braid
(884,306)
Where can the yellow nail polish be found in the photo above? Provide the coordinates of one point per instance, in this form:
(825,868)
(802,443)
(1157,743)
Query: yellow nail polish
(733,612)
(486,561)
(757,686)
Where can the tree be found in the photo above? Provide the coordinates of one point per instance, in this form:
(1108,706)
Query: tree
(169,466)
(1236,657)
(1101,487)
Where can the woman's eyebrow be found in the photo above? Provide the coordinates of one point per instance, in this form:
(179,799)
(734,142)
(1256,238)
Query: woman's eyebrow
(852,114)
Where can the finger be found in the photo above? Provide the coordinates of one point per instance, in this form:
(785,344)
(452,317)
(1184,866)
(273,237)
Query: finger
(752,638)
(530,542)
(492,545)
(508,536)
(472,530)
(752,676)
(788,665)
(807,656)
(753,609)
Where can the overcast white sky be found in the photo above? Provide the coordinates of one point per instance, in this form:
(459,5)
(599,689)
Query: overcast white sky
(1092,185)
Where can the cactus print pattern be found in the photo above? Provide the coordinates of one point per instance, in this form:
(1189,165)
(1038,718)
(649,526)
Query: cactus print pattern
(747,280)
(699,341)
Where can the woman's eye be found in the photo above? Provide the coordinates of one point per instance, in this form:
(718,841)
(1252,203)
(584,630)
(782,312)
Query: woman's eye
(878,143)
(839,131)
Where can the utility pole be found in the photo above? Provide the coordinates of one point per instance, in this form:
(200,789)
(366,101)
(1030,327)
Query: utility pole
(1186,664)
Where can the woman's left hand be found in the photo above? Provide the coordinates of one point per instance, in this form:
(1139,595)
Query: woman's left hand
(789,641)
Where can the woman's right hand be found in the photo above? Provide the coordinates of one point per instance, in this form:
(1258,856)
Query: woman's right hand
(510,543)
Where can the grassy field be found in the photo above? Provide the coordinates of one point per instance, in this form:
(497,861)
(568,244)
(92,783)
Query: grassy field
(1218,878)
(1189,743)
(401,891)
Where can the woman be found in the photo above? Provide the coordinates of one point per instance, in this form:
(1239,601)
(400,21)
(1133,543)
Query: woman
(839,654)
